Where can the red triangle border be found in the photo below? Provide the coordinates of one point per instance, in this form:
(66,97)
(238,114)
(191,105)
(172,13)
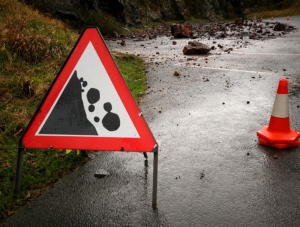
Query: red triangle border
(145,143)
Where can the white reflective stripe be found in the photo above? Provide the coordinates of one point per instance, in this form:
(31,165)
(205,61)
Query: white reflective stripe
(281,106)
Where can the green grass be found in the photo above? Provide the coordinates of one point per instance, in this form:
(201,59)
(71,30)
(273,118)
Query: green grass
(33,49)
(131,68)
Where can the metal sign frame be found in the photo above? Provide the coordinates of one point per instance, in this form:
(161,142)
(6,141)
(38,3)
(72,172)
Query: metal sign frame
(145,143)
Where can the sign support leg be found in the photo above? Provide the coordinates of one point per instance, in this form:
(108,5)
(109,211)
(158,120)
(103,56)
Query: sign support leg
(155,173)
(19,167)
(145,155)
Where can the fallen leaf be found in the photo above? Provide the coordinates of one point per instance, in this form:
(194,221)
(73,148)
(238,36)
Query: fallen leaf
(27,195)
(6,164)
(34,164)
(9,212)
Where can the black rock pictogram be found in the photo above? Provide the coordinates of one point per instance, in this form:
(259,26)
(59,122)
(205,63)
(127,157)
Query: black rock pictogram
(91,108)
(111,121)
(84,83)
(93,96)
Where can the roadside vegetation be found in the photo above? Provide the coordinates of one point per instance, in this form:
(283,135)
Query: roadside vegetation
(280,9)
(33,48)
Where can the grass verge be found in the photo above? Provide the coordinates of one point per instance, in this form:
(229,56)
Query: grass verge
(32,50)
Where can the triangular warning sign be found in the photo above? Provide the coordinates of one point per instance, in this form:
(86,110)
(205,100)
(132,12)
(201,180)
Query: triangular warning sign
(89,106)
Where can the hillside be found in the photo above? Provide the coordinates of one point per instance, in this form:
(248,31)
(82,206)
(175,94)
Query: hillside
(113,15)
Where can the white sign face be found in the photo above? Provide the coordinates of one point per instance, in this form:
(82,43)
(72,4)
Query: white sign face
(107,113)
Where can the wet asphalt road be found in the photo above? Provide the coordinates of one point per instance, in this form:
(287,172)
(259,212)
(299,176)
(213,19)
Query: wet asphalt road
(212,171)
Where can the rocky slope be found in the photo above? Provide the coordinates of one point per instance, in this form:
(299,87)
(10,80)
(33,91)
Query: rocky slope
(82,13)
(135,12)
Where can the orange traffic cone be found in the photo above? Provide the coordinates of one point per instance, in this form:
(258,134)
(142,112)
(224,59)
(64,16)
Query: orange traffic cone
(278,134)
(272,18)
(288,18)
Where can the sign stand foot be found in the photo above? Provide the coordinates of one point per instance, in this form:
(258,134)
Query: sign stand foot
(155,173)
(145,155)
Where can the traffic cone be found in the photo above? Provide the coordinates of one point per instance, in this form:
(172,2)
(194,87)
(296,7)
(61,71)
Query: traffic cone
(272,18)
(288,18)
(279,134)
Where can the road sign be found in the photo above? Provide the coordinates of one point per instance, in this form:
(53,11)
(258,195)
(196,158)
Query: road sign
(89,106)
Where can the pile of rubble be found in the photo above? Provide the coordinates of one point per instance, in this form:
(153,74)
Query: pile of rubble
(239,29)
(250,29)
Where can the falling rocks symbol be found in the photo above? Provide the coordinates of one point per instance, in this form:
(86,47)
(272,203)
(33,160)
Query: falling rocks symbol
(68,116)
